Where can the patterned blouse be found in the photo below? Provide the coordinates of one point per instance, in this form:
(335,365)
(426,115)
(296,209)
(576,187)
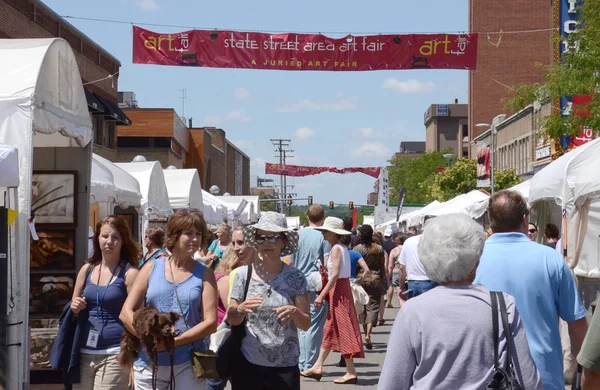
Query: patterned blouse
(374,256)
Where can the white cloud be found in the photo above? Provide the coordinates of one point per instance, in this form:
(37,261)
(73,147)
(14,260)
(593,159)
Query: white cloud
(147,5)
(340,103)
(258,163)
(241,93)
(373,150)
(305,133)
(411,86)
(212,120)
(368,132)
(238,116)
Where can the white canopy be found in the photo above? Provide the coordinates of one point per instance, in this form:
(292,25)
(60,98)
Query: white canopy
(369,220)
(155,197)
(474,204)
(249,214)
(126,187)
(415,218)
(523,189)
(9,166)
(293,222)
(103,189)
(183,186)
(215,211)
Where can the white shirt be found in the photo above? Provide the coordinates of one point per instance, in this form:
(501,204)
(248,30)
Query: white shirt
(409,258)
(559,246)
(344,266)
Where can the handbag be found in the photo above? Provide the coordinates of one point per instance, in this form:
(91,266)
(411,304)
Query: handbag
(504,378)
(324,278)
(204,363)
(228,349)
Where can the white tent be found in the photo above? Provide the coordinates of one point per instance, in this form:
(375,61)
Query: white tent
(42,104)
(249,214)
(9,166)
(416,218)
(155,197)
(127,189)
(215,211)
(369,220)
(103,189)
(523,189)
(474,204)
(293,222)
(183,186)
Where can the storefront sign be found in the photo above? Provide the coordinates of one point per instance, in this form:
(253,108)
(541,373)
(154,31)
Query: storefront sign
(542,152)
(442,110)
(297,170)
(250,50)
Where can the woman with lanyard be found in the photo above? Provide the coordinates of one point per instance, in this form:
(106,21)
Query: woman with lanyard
(176,283)
(219,246)
(101,289)
(153,241)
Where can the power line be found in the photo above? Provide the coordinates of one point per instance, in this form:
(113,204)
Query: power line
(282,149)
(305,32)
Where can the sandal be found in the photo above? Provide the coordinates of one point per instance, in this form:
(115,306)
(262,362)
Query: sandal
(368,343)
(346,381)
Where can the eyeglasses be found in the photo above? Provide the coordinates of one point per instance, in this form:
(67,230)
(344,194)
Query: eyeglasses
(272,238)
(532,231)
(189,211)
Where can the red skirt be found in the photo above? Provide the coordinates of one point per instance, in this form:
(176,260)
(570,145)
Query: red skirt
(342,332)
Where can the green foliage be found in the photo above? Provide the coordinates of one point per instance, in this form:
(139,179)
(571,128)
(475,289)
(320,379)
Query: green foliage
(576,74)
(461,178)
(267,206)
(416,174)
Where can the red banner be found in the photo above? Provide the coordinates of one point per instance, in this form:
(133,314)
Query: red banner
(251,50)
(297,170)
(580,108)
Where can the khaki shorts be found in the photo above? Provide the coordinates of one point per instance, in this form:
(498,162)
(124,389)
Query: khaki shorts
(101,372)
(184,378)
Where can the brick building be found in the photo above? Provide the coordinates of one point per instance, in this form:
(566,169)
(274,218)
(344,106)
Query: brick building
(27,19)
(508,58)
(446,127)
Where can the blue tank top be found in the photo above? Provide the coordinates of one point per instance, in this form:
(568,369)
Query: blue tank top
(161,295)
(105,317)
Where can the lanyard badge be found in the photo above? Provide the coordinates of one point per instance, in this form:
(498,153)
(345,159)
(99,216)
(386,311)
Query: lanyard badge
(94,334)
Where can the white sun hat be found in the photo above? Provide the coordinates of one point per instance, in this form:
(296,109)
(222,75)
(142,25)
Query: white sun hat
(335,225)
(271,221)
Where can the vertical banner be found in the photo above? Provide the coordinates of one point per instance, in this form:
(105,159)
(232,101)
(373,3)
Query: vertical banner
(382,207)
(401,197)
(484,167)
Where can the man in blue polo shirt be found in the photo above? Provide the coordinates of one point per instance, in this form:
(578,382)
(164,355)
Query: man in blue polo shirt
(539,280)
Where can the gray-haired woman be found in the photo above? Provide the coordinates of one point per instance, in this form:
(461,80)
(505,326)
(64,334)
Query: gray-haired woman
(447,333)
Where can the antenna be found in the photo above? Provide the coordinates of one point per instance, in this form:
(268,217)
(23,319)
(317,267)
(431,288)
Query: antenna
(183,97)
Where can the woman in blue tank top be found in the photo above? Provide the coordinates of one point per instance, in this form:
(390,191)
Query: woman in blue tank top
(101,289)
(197,291)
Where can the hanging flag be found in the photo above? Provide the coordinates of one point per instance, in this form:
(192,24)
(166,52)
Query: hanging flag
(484,167)
(253,50)
(297,170)
(401,197)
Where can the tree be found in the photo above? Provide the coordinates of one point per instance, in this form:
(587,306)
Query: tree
(267,206)
(575,75)
(415,174)
(461,178)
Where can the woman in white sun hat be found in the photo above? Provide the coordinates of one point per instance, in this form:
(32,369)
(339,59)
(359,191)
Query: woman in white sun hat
(275,306)
(341,332)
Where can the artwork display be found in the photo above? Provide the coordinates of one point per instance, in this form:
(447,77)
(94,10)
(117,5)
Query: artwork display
(55,250)
(49,294)
(54,197)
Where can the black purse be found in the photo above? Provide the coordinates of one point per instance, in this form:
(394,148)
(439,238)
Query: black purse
(504,378)
(227,353)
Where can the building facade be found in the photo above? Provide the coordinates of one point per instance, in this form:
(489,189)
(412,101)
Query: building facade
(446,127)
(506,59)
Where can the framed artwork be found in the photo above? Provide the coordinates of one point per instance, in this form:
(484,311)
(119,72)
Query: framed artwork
(54,197)
(49,293)
(55,250)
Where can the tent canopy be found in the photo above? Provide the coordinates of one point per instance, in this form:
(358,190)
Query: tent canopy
(9,166)
(523,189)
(582,175)
(474,204)
(126,187)
(415,218)
(103,189)
(183,186)
(155,197)
(215,211)
(249,214)
(293,222)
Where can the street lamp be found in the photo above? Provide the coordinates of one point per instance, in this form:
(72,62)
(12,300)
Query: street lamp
(214,190)
(448,157)
(492,153)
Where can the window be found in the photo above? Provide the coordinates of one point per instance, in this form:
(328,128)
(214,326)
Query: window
(133,142)
(97,129)
(109,134)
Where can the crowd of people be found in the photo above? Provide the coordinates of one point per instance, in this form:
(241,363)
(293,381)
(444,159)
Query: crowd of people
(331,290)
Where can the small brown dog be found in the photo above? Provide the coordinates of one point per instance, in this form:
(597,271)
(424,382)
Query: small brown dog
(153,327)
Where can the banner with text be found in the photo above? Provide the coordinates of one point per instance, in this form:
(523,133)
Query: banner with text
(253,50)
(484,167)
(297,170)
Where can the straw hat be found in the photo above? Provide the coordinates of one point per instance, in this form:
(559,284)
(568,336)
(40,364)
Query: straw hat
(271,221)
(335,225)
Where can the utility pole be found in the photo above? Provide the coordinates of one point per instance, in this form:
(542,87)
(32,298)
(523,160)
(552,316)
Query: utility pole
(281,152)
(183,97)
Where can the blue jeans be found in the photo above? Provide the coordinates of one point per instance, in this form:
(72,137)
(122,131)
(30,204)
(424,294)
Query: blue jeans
(310,340)
(418,287)
(215,384)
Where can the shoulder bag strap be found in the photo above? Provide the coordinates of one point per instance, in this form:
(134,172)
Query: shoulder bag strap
(248,277)
(495,328)
(507,333)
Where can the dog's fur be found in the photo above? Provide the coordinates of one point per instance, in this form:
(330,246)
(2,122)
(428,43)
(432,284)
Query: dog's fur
(152,327)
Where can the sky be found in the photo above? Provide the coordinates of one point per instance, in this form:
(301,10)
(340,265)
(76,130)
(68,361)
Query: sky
(339,119)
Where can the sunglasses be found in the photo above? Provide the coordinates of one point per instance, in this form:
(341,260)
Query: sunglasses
(272,238)
(532,231)
(189,211)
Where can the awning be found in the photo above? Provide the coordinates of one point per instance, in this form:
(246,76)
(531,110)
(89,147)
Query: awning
(101,106)
(93,102)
